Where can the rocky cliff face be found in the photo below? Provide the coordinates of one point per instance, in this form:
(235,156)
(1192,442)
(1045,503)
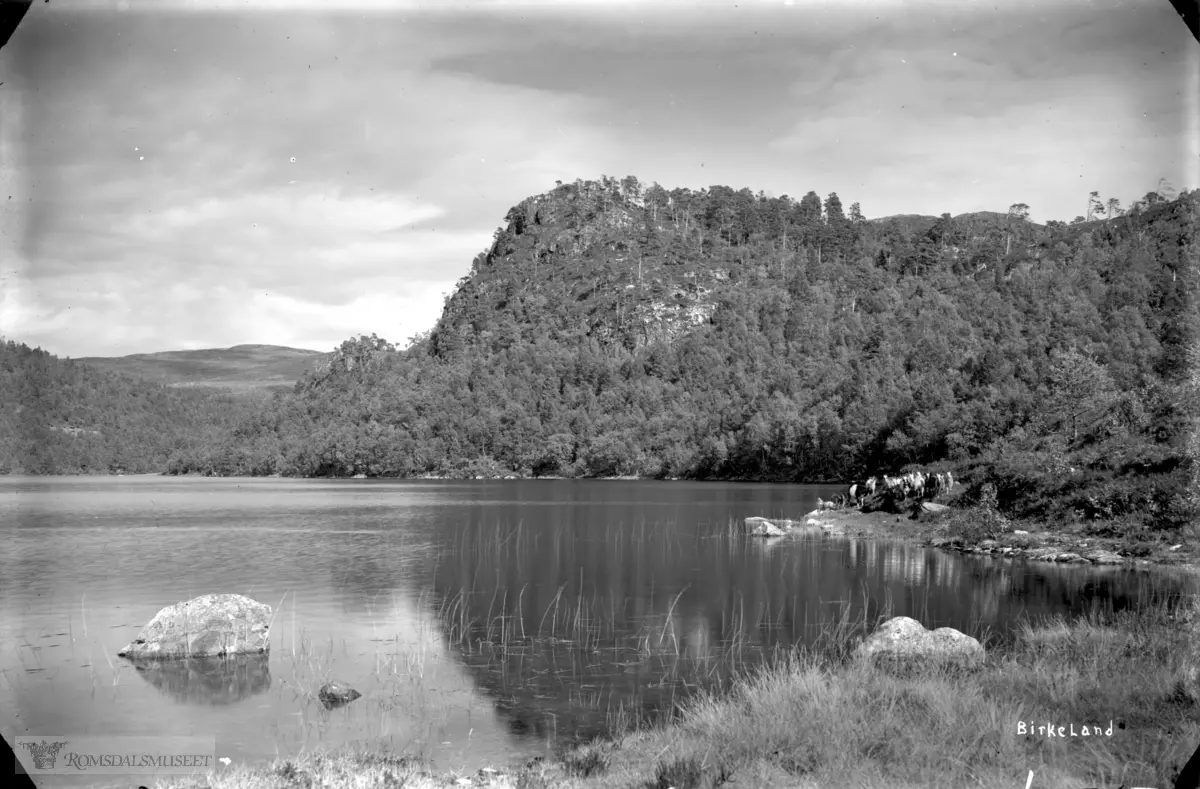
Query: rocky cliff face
(589,259)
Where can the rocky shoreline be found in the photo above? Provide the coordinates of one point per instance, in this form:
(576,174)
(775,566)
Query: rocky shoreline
(1030,543)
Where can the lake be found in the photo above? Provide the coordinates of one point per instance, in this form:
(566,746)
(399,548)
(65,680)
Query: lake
(482,620)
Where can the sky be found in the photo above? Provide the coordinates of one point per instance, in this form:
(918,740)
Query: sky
(183,174)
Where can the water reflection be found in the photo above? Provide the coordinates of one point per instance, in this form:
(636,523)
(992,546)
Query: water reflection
(209,680)
(499,617)
(566,620)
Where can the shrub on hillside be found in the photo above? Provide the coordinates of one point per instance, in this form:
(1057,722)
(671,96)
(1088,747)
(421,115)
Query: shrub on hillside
(983,521)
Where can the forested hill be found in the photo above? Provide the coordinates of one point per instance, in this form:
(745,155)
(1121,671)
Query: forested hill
(618,329)
(62,417)
(609,262)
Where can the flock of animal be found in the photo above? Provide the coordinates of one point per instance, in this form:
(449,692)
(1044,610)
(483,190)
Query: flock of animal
(915,484)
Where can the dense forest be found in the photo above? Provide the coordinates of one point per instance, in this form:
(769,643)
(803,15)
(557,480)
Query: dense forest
(63,417)
(618,329)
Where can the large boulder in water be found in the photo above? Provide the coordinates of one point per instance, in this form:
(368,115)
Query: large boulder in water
(905,643)
(212,625)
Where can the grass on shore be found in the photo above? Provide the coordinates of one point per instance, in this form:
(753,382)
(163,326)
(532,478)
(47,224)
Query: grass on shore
(823,718)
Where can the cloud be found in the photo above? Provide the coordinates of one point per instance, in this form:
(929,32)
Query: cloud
(396,314)
(965,163)
(931,128)
(271,215)
(190,180)
(14,197)
(287,177)
(238,268)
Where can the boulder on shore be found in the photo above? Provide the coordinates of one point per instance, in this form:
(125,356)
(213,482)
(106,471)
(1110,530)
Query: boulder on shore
(762,527)
(904,642)
(780,527)
(928,510)
(1102,556)
(336,693)
(213,625)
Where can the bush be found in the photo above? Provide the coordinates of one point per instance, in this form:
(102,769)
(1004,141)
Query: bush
(1127,482)
(1158,501)
(975,524)
(1136,547)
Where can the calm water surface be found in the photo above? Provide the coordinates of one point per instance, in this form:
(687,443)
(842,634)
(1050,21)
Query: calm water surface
(483,621)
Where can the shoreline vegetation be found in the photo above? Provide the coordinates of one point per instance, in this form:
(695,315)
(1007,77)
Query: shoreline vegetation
(1105,700)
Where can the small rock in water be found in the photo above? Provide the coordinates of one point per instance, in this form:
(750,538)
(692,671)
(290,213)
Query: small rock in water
(336,693)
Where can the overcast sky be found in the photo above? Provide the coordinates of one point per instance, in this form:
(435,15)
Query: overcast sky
(215,172)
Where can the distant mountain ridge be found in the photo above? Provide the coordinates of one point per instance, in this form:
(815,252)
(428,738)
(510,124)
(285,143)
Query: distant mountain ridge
(58,416)
(992,215)
(240,367)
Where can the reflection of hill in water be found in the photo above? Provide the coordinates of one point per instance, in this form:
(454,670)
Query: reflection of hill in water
(208,681)
(565,621)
